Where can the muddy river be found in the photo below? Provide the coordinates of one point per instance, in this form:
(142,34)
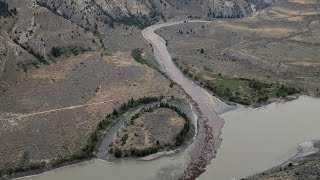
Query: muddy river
(253,139)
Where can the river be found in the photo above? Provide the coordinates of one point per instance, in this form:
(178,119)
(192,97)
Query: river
(254,139)
(207,107)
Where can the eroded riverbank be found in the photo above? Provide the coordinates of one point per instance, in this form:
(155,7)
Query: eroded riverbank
(177,105)
(207,106)
(254,140)
(260,128)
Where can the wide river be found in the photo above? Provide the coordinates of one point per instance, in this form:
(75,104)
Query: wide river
(253,139)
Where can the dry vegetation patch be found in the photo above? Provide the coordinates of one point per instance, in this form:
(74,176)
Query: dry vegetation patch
(88,88)
(151,129)
(304,1)
(268,47)
(61,68)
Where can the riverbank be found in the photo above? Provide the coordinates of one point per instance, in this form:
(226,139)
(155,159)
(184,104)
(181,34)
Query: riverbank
(257,139)
(304,165)
(32,173)
(242,91)
(126,117)
(140,135)
(209,125)
(207,106)
(119,121)
(89,150)
(254,140)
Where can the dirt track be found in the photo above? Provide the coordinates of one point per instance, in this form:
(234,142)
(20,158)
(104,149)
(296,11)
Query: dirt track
(59,109)
(65,108)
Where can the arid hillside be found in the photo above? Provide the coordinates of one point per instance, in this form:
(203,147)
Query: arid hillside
(49,111)
(145,12)
(279,44)
(59,80)
(66,64)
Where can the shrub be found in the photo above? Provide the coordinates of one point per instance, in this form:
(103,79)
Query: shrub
(110,151)
(75,50)
(124,139)
(117,153)
(56,52)
(4,10)
(257,85)
(263,99)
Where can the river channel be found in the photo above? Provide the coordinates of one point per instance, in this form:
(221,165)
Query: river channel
(253,139)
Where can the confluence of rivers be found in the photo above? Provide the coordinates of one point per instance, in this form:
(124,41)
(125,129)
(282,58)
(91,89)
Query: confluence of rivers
(207,106)
(255,139)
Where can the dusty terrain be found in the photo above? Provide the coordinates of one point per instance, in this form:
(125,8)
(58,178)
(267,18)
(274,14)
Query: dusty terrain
(144,132)
(50,105)
(145,12)
(45,116)
(49,111)
(279,44)
(307,168)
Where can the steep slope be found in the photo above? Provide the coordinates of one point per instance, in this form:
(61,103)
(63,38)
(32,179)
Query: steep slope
(57,83)
(63,69)
(145,12)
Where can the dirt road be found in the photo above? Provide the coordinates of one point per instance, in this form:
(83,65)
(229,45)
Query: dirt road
(19,116)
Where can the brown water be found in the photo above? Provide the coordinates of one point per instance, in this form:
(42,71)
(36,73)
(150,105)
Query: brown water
(254,140)
(207,107)
(210,105)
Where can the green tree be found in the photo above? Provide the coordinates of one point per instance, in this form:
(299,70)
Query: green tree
(56,52)
(117,153)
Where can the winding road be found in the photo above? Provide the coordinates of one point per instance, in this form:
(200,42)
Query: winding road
(207,106)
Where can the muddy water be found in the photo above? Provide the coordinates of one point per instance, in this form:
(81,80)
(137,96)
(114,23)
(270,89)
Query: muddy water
(108,137)
(254,140)
(207,106)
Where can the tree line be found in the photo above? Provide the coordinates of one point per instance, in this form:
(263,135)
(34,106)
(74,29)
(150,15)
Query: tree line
(93,142)
(180,137)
